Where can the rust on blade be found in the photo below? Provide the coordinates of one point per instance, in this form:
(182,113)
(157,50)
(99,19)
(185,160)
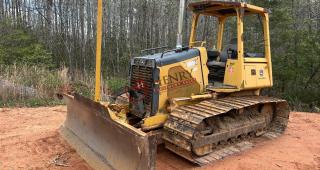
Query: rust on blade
(103,142)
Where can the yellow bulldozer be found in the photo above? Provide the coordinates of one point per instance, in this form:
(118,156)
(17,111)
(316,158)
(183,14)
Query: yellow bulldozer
(201,104)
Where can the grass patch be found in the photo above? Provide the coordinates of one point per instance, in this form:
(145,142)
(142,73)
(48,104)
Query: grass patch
(32,102)
(116,85)
(29,86)
(34,86)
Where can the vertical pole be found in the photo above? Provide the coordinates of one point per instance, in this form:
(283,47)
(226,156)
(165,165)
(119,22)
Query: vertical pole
(241,73)
(267,44)
(240,13)
(180,24)
(195,19)
(98,52)
(220,33)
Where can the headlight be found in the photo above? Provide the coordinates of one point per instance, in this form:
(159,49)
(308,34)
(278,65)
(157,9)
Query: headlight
(137,61)
(150,63)
(142,62)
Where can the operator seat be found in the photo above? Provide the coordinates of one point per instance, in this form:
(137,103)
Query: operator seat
(230,51)
(231,48)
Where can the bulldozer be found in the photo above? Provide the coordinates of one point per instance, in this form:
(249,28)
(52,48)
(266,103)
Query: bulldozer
(202,104)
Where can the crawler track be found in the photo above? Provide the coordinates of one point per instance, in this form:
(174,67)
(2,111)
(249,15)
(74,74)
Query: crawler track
(211,130)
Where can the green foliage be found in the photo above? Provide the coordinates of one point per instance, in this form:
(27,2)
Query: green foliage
(29,86)
(17,45)
(298,75)
(294,29)
(115,85)
(32,102)
(295,55)
(83,89)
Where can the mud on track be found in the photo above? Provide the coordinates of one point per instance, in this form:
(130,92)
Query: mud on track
(29,139)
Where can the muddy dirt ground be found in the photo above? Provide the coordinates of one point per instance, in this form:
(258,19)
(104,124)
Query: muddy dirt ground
(29,139)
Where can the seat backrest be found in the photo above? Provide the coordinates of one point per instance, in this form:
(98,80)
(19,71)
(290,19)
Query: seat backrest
(233,46)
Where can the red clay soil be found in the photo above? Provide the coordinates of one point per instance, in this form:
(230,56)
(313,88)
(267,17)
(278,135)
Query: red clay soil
(29,139)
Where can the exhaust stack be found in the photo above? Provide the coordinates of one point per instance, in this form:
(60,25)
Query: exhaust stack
(180,24)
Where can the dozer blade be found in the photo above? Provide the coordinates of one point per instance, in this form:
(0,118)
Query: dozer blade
(103,142)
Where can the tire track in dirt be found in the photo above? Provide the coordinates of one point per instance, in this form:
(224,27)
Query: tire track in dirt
(30,140)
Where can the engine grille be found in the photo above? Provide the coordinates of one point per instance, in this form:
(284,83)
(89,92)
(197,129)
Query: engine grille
(216,73)
(142,83)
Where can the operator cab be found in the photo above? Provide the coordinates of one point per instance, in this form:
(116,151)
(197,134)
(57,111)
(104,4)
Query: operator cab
(242,37)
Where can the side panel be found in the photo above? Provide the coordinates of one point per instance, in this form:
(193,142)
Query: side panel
(250,76)
(233,75)
(204,68)
(256,76)
(181,79)
(263,79)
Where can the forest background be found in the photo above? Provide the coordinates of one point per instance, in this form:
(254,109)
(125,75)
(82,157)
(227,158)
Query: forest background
(47,44)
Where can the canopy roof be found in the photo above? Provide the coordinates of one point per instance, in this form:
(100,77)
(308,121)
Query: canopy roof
(222,8)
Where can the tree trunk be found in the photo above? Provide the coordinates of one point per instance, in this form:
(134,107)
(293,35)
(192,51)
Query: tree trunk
(1,10)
